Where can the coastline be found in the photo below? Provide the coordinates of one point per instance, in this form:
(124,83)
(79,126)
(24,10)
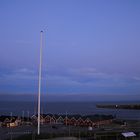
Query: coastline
(82,108)
(120,106)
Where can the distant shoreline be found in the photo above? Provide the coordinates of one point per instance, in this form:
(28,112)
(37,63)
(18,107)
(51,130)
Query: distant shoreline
(116,106)
(83,108)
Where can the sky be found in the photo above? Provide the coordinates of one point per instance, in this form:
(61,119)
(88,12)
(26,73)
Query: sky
(90,48)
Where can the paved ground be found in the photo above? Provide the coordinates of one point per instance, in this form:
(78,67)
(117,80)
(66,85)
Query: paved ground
(9,133)
(65,138)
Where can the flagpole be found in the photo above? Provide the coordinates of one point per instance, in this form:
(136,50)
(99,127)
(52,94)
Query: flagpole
(39,82)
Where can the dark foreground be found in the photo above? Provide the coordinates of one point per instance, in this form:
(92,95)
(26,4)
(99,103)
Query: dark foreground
(110,132)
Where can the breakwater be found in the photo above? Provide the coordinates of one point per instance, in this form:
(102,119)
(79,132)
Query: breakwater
(116,106)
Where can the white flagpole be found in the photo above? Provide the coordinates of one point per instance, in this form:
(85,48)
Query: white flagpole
(39,82)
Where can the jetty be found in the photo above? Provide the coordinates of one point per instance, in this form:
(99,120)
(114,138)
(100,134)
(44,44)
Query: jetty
(119,106)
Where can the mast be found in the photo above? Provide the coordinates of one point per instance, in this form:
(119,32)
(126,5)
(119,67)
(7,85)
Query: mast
(39,81)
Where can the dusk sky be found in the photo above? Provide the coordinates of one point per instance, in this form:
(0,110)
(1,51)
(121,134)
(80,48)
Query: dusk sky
(91,47)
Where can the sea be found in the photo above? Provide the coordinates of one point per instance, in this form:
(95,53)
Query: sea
(24,108)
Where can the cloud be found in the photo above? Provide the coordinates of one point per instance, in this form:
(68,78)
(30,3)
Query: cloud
(18,76)
(61,80)
(83,71)
(23,42)
(73,80)
(136,78)
(25,71)
(90,76)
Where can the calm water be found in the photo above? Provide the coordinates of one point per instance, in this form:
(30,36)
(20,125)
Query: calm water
(83,108)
